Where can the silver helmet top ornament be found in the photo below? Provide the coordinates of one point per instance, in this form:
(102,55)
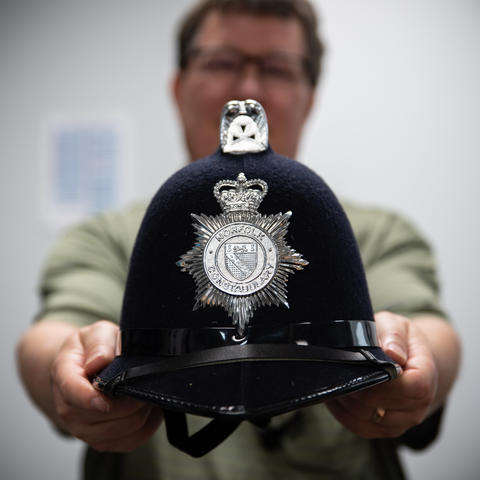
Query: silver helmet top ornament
(243,127)
(240,260)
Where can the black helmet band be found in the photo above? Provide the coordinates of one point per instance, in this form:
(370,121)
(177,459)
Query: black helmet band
(180,341)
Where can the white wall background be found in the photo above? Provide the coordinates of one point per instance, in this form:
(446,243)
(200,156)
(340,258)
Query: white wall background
(396,123)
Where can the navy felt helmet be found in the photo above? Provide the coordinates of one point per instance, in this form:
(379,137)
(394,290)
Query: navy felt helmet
(247,313)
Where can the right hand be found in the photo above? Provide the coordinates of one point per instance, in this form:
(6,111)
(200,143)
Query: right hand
(106,424)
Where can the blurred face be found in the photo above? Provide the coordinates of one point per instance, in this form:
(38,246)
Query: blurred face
(237,56)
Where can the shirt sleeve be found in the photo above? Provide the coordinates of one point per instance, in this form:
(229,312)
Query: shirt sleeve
(399,264)
(84,276)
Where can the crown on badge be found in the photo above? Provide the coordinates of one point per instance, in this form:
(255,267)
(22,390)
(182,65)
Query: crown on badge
(241,194)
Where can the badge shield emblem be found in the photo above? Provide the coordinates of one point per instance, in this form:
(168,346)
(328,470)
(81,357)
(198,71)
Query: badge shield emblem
(241,258)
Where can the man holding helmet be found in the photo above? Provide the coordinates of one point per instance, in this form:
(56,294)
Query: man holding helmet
(268,51)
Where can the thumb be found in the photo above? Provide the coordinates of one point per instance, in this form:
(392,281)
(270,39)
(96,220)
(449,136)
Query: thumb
(99,342)
(393,333)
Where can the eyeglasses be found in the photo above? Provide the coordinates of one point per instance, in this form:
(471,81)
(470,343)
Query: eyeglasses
(226,62)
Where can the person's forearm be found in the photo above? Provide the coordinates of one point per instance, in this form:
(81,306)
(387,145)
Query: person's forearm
(36,351)
(445,346)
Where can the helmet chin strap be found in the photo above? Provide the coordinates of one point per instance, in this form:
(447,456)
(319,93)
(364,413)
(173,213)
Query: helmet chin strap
(205,439)
(201,442)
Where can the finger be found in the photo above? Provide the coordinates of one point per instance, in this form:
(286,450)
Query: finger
(404,393)
(74,390)
(70,385)
(76,401)
(412,411)
(357,409)
(134,440)
(123,407)
(390,424)
(416,388)
(99,341)
(420,355)
(113,429)
(355,425)
(392,332)
(69,418)
(419,380)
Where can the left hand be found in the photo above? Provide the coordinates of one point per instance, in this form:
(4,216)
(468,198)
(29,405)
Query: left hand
(391,408)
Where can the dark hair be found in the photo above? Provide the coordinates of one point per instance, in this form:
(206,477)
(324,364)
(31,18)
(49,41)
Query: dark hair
(302,10)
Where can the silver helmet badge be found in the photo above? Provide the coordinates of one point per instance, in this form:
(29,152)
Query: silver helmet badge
(243,127)
(240,260)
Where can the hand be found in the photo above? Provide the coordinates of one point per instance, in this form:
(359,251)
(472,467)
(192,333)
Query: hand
(106,424)
(391,408)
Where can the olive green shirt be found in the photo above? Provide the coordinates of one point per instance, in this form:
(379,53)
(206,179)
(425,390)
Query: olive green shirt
(84,279)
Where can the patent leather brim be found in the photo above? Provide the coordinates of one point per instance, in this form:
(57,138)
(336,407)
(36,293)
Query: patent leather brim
(246,389)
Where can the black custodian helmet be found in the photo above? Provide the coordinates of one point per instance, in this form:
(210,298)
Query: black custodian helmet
(246,308)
